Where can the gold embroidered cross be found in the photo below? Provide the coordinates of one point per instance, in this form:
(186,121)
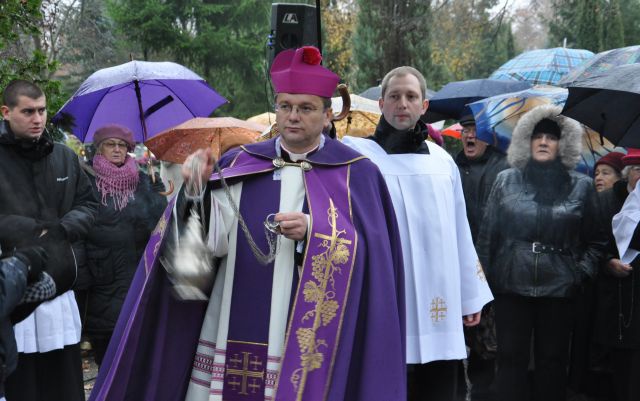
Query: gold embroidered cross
(254,385)
(245,373)
(438,309)
(256,363)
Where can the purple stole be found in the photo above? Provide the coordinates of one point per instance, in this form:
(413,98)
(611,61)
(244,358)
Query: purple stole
(315,319)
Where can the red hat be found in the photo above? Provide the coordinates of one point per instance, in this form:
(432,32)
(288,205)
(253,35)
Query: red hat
(612,159)
(299,72)
(114,131)
(632,157)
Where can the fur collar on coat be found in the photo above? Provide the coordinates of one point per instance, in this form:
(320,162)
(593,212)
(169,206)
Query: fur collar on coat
(570,145)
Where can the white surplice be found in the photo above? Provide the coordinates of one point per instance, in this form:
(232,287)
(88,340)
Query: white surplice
(52,325)
(624,225)
(443,277)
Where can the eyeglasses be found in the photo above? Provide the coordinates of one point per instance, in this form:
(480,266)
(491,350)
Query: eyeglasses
(113,145)
(286,109)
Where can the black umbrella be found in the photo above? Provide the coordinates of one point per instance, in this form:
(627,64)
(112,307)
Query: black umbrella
(609,104)
(452,99)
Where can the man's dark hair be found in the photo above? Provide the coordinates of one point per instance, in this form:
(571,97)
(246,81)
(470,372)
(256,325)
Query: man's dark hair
(17,88)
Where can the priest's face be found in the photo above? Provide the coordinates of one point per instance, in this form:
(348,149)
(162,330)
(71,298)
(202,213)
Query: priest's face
(300,119)
(403,102)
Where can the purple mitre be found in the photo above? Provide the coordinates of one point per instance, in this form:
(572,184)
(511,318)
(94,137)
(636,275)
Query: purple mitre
(299,72)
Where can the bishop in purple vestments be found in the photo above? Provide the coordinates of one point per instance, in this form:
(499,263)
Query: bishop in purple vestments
(323,321)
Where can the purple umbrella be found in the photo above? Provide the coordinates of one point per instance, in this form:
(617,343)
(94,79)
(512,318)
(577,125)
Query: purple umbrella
(147,97)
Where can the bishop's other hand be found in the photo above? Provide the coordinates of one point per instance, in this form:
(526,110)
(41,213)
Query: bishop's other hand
(293,225)
(197,169)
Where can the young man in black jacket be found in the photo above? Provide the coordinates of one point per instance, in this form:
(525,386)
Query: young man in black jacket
(46,199)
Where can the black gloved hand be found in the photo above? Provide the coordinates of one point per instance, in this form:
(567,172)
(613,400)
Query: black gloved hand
(35,258)
(55,231)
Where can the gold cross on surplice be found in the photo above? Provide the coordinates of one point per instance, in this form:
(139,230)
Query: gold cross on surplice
(438,309)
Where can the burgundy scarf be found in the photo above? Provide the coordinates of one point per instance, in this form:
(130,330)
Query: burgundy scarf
(118,182)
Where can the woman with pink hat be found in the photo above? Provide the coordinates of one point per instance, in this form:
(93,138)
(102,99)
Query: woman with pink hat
(129,209)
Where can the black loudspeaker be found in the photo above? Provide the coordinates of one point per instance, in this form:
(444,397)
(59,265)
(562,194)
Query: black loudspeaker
(292,26)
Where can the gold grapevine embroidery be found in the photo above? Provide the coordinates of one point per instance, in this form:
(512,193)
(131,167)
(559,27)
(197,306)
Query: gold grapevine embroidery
(321,293)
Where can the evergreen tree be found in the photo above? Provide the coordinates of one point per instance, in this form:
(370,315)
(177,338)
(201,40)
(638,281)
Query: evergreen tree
(222,40)
(563,21)
(613,28)
(630,11)
(589,27)
(389,34)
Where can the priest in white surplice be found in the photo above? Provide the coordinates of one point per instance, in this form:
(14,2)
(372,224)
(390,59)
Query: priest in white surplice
(444,283)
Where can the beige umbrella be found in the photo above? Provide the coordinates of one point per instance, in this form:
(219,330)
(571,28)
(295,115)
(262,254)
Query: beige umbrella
(362,118)
(265,119)
(218,133)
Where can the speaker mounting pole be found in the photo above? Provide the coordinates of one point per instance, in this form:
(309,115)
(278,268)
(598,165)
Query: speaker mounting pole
(319,25)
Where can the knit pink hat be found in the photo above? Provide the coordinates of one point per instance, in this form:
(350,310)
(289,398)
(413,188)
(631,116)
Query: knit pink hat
(613,160)
(299,72)
(114,131)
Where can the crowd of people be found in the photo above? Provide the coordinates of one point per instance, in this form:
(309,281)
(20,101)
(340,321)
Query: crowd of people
(377,268)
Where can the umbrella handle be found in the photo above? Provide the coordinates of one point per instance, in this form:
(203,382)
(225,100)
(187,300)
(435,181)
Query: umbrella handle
(346,103)
(170,191)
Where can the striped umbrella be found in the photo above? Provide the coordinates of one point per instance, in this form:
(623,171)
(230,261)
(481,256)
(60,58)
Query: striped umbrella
(543,66)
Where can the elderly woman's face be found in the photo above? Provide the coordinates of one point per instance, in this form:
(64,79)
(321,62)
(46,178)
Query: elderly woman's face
(544,147)
(114,150)
(605,176)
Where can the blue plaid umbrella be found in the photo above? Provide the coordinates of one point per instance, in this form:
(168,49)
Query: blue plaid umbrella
(544,66)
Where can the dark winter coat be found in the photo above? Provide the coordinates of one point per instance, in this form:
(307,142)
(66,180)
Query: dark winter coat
(114,247)
(13,282)
(618,299)
(564,224)
(40,185)
(477,178)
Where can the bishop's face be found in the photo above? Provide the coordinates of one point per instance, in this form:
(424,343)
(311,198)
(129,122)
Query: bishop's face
(300,120)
